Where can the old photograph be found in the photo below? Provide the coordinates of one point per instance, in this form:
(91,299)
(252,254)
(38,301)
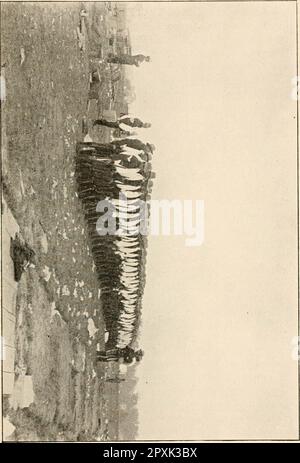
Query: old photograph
(149,221)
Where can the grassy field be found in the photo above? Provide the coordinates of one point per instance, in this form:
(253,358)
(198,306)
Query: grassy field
(59,318)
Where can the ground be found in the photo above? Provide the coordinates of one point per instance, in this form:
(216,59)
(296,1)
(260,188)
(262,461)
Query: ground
(59,318)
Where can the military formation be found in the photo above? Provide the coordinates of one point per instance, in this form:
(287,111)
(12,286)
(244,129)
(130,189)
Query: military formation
(119,173)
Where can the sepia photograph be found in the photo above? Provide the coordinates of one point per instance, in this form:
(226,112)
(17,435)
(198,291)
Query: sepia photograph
(149,221)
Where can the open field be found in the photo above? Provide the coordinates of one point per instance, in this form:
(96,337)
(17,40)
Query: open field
(59,318)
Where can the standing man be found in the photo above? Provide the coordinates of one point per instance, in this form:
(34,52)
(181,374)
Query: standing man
(134,143)
(124,120)
(131,60)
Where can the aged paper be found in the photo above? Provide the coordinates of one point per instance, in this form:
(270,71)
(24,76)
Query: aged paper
(181,325)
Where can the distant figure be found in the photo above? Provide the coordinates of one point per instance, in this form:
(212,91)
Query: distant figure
(134,143)
(131,60)
(133,122)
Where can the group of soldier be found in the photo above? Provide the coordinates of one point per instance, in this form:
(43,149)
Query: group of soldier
(120,171)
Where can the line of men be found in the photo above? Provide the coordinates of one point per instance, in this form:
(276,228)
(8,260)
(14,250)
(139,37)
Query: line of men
(121,171)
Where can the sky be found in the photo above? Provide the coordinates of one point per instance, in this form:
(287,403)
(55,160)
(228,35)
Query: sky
(219,319)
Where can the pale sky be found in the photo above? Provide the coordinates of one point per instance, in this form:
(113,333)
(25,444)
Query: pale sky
(218,320)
